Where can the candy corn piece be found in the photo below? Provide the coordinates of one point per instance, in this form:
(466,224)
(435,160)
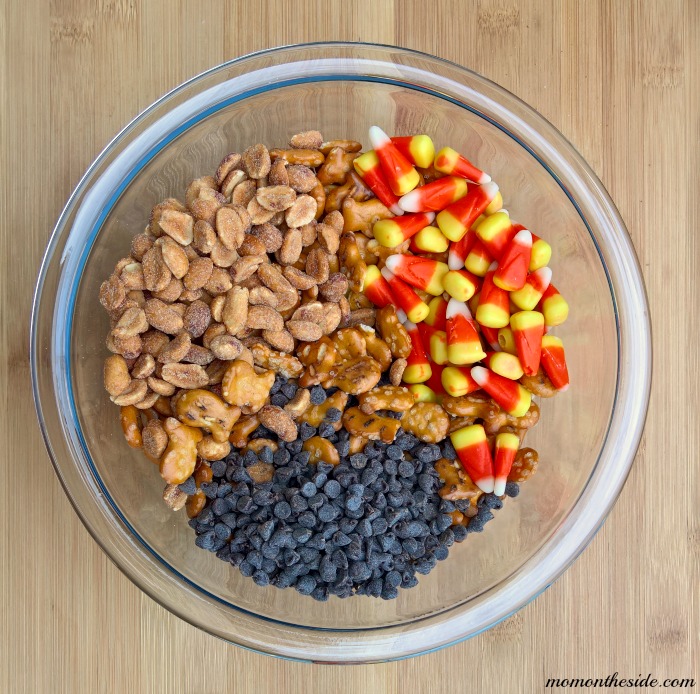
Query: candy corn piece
(473,451)
(422,392)
(531,292)
(512,267)
(553,306)
(457,218)
(437,315)
(392,232)
(438,347)
(421,273)
(418,149)
(460,284)
(409,302)
(493,310)
(457,381)
(429,240)
(496,232)
(491,336)
(376,288)
(496,205)
(435,380)
(504,364)
(528,329)
(506,447)
(459,250)
(541,253)
(463,342)
(435,195)
(554,362)
(399,172)
(418,368)
(368,167)
(510,395)
(506,340)
(478,260)
(449,161)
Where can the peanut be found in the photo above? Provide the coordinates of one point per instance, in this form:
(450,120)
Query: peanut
(116,375)
(279,421)
(155,439)
(174,497)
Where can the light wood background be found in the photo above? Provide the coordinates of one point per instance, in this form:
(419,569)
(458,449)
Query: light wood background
(619,78)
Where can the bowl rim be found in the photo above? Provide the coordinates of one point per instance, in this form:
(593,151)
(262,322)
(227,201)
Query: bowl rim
(81,189)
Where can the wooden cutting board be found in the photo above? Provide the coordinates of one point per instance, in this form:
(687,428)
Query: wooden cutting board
(620,80)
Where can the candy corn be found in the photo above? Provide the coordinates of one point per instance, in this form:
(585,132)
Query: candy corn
(506,447)
(506,340)
(422,393)
(377,289)
(435,380)
(528,329)
(435,195)
(421,273)
(473,451)
(541,253)
(368,168)
(554,362)
(438,347)
(457,381)
(504,364)
(463,342)
(495,205)
(510,395)
(478,260)
(437,314)
(415,309)
(553,306)
(418,368)
(392,232)
(455,220)
(418,149)
(531,292)
(459,250)
(491,336)
(496,232)
(429,240)
(512,267)
(493,310)
(460,284)
(399,171)
(452,162)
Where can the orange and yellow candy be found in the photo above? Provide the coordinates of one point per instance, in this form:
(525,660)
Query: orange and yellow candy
(377,290)
(504,364)
(435,380)
(512,266)
(435,195)
(459,250)
(418,368)
(461,284)
(553,306)
(505,448)
(457,218)
(399,171)
(392,232)
(458,381)
(527,297)
(491,336)
(554,362)
(473,451)
(421,273)
(422,392)
(478,259)
(506,341)
(449,161)
(528,329)
(418,149)
(463,341)
(496,232)
(437,314)
(429,240)
(494,309)
(510,395)
(368,168)
(406,299)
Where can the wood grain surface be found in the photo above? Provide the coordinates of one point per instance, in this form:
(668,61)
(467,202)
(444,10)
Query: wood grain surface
(619,78)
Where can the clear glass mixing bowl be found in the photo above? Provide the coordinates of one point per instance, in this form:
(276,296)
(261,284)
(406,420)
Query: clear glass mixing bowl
(586,438)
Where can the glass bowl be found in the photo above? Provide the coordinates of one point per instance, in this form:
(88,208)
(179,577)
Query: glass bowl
(586,438)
